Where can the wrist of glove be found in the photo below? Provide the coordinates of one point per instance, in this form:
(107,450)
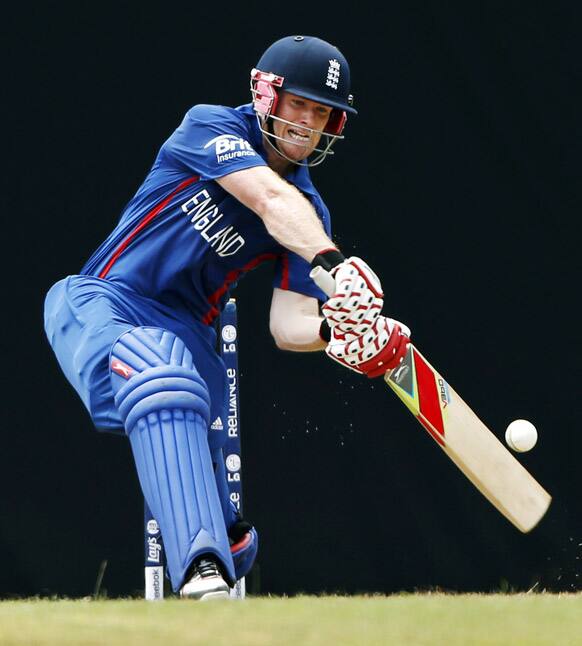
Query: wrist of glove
(358,298)
(382,347)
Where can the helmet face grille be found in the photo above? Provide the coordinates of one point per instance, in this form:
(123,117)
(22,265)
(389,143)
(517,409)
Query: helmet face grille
(265,99)
(317,154)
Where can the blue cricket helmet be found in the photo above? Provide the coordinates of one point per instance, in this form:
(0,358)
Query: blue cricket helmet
(311,68)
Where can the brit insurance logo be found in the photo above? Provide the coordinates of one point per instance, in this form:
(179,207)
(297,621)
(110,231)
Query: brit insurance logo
(333,73)
(229,147)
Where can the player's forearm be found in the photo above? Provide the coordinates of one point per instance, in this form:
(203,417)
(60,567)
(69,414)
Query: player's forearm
(292,222)
(295,322)
(288,216)
(302,337)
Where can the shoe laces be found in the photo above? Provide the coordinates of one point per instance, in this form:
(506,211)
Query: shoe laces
(207,568)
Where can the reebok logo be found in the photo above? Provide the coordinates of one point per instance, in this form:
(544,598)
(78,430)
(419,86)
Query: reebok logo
(229,147)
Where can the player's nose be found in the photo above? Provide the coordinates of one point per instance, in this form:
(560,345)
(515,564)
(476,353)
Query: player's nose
(307,119)
(306,116)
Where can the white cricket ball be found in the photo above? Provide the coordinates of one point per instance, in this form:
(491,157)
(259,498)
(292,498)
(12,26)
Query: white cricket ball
(521,435)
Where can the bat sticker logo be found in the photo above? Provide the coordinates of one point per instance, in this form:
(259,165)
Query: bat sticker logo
(444,392)
(400,373)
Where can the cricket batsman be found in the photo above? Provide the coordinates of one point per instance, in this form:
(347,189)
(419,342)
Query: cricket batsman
(133,331)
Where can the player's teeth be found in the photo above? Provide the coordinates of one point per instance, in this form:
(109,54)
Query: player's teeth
(296,135)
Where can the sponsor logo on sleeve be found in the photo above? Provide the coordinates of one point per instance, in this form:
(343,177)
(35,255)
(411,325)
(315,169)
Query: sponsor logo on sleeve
(229,147)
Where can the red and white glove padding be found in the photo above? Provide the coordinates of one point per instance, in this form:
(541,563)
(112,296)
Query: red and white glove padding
(379,349)
(358,298)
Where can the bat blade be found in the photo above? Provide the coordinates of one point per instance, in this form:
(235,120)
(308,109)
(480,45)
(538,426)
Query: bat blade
(468,442)
(462,435)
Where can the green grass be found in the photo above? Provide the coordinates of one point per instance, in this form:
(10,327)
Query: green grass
(465,620)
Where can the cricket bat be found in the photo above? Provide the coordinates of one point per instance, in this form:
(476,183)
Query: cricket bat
(462,435)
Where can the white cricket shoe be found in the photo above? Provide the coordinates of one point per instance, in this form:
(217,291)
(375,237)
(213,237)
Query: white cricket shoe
(206,582)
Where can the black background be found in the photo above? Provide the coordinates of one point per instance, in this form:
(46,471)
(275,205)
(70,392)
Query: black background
(458,182)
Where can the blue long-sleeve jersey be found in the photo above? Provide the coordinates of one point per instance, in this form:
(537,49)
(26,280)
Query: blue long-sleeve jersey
(182,240)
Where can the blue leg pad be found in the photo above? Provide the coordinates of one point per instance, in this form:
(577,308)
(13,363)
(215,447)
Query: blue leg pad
(165,407)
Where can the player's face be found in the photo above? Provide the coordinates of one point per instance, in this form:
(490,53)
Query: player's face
(299,142)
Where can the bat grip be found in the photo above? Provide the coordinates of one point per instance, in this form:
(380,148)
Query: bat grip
(323,279)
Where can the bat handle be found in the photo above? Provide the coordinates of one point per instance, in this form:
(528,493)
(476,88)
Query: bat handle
(326,282)
(323,279)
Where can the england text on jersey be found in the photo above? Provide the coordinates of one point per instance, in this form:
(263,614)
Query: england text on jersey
(205,216)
